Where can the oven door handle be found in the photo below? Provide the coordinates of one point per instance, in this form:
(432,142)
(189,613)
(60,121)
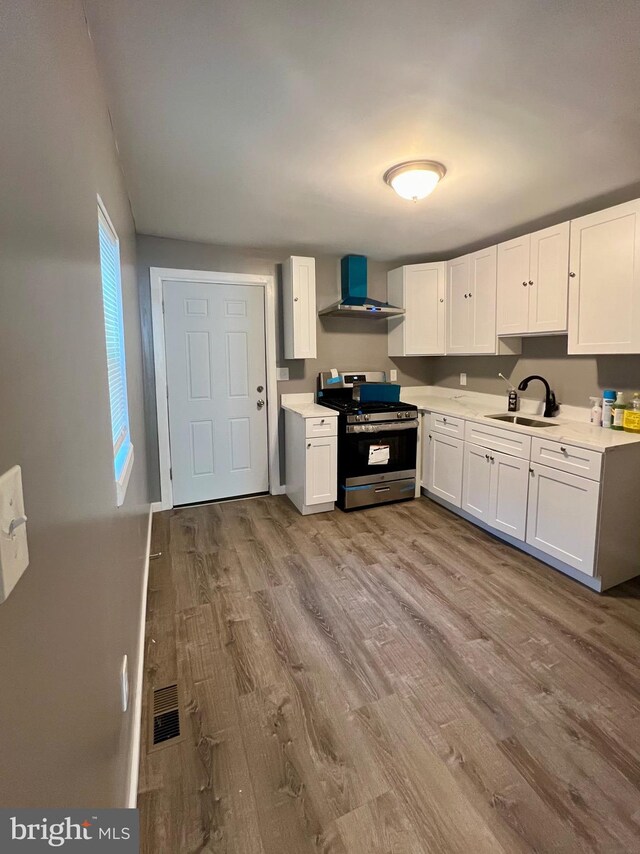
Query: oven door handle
(387,427)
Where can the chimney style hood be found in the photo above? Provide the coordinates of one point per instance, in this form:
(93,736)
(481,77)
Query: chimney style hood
(355,302)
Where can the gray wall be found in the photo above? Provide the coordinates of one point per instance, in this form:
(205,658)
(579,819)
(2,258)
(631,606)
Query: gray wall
(343,343)
(65,627)
(573,378)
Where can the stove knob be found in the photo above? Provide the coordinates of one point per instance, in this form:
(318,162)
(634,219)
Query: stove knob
(398,414)
(408,414)
(367,417)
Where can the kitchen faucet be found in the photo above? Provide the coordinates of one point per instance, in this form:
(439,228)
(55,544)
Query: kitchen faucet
(550,405)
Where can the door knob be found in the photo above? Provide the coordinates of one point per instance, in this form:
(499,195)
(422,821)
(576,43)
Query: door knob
(260,404)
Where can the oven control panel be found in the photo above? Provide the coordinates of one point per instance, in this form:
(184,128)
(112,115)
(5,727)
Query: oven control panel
(407,414)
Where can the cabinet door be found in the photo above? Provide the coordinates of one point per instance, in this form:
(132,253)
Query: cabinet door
(321,470)
(458,305)
(476,481)
(444,476)
(508,499)
(548,284)
(482,300)
(604,282)
(299,307)
(513,286)
(424,306)
(563,515)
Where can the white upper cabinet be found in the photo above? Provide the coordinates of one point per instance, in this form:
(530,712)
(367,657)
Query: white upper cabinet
(471,303)
(420,290)
(604,282)
(299,307)
(532,282)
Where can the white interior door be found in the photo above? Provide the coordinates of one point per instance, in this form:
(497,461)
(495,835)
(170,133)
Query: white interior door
(216,378)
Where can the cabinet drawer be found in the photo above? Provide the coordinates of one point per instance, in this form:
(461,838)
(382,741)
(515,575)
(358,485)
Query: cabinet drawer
(499,439)
(446,424)
(321,426)
(567,458)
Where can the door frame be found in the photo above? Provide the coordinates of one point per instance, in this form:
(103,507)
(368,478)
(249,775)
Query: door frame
(157,277)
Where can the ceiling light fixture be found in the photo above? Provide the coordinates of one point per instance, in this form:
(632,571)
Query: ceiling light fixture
(415,179)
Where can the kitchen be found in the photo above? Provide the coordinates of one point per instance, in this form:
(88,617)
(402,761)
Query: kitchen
(318,323)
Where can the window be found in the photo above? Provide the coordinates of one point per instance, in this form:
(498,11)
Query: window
(116,364)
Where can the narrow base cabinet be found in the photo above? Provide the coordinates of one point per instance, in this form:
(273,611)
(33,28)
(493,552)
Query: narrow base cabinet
(573,508)
(563,516)
(311,454)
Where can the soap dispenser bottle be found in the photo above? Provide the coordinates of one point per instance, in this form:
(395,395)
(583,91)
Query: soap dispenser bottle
(617,412)
(596,411)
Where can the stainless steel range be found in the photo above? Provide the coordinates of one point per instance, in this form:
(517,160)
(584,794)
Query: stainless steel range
(377,439)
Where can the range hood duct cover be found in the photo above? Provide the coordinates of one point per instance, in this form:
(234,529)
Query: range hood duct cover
(355,302)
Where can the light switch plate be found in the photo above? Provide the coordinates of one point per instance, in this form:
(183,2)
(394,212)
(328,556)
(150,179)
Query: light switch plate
(393,375)
(14,553)
(282,374)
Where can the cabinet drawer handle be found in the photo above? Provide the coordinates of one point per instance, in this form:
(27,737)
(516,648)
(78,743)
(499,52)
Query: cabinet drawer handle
(382,489)
(444,420)
(563,449)
(322,420)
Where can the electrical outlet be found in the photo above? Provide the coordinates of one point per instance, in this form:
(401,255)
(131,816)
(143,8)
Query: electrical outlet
(393,375)
(463,379)
(282,374)
(124,683)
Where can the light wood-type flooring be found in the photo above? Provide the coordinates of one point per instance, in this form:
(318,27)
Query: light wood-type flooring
(390,681)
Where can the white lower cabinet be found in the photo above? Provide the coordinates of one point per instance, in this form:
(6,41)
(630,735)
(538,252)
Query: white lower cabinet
(495,489)
(311,461)
(321,461)
(562,519)
(444,467)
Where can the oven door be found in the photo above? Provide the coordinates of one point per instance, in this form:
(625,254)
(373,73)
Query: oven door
(375,453)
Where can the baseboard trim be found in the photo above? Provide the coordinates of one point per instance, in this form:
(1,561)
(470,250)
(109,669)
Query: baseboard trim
(278,490)
(156,506)
(136,708)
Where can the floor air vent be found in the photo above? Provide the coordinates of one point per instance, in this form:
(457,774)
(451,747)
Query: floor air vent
(166,714)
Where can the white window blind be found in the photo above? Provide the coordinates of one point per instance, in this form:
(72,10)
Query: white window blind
(116,362)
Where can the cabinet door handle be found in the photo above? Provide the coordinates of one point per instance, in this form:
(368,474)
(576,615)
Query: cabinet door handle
(430,436)
(487,457)
(442,300)
(531,472)
(295,299)
(493,459)
(530,282)
(573,275)
(309,445)
(470,295)
(524,284)
(465,296)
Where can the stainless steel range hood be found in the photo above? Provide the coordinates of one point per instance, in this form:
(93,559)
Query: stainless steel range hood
(355,302)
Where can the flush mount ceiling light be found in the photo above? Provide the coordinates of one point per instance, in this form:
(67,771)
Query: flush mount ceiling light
(415,179)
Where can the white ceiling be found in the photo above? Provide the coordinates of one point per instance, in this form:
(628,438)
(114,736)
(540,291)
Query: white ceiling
(271,122)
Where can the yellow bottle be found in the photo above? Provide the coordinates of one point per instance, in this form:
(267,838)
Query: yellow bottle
(631,418)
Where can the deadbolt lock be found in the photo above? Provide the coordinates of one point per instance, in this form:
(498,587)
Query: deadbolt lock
(260,388)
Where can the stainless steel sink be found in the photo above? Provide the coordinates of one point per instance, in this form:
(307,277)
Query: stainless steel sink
(522,420)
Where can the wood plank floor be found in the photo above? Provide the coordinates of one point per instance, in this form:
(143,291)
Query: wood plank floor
(391,681)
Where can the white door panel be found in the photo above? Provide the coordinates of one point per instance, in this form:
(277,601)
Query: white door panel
(562,518)
(476,481)
(513,286)
(509,488)
(548,292)
(445,467)
(215,351)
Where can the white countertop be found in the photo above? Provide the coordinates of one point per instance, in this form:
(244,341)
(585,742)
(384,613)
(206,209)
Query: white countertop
(305,406)
(475,407)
